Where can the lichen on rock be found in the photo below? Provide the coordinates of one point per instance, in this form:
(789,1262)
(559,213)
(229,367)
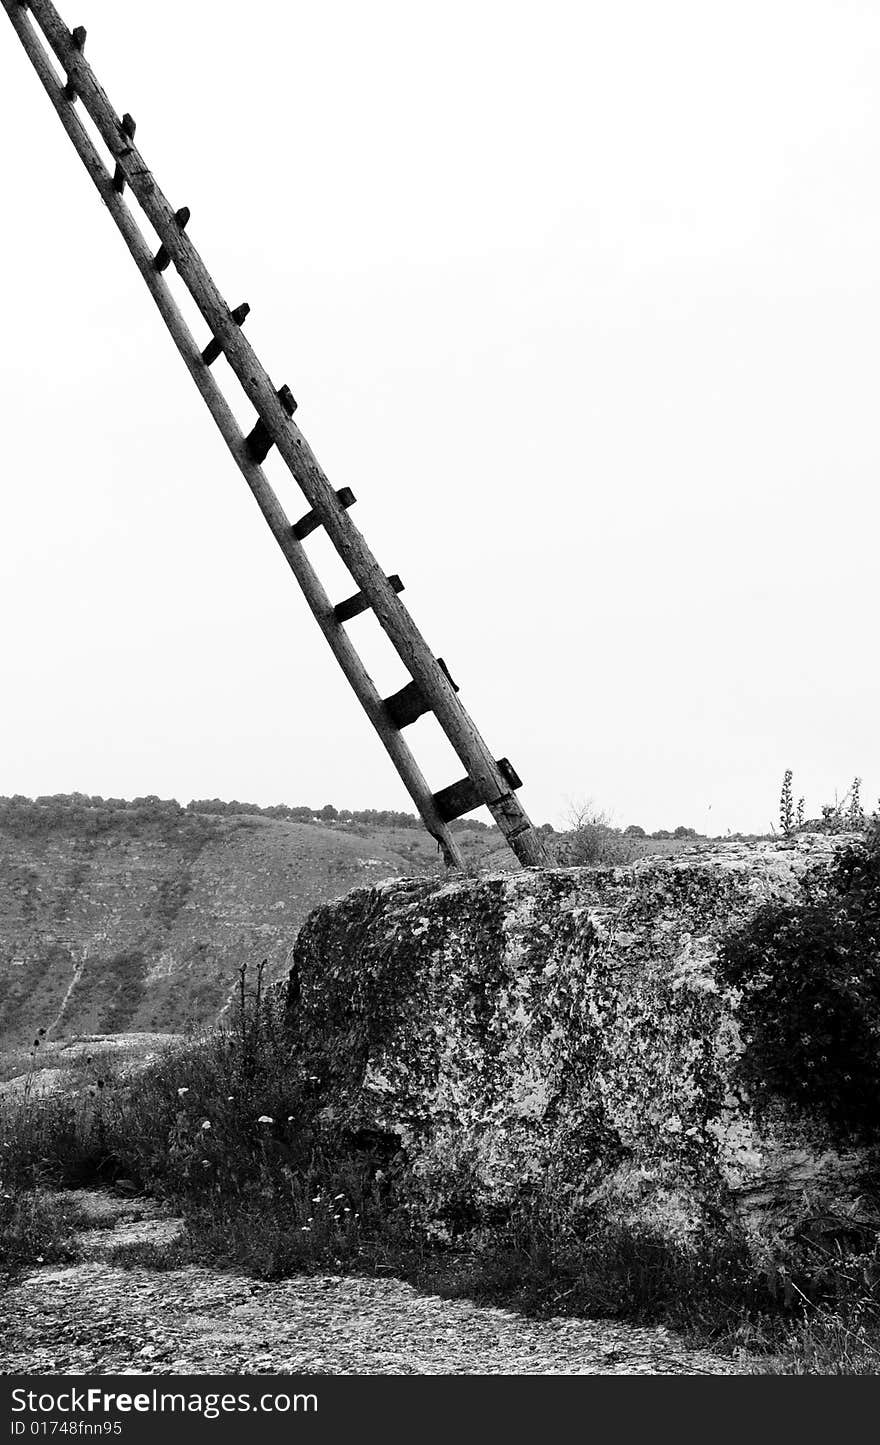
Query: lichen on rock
(557,1035)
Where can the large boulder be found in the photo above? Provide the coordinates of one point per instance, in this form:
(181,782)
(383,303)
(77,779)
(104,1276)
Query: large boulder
(559,1036)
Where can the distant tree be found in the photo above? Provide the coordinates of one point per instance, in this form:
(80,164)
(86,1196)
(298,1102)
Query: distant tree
(661,833)
(328,813)
(682,832)
(634,831)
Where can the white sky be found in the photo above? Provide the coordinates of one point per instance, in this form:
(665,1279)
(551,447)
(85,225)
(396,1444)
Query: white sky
(583,302)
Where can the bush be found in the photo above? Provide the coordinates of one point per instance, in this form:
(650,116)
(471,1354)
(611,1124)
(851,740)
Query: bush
(809,973)
(592,841)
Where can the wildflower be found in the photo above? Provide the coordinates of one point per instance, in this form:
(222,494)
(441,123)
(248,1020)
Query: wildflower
(230,1098)
(206,1163)
(339,1196)
(181,1092)
(290,1118)
(265,1119)
(317,1198)
(206,1124)
(306,1229)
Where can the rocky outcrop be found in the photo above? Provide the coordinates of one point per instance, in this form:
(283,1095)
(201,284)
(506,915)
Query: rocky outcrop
(559,1037)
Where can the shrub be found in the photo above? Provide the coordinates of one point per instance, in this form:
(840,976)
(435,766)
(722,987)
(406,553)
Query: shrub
(592,841)
(809,973)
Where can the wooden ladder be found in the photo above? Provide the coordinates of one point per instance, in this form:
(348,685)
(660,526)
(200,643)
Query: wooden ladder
(488,781)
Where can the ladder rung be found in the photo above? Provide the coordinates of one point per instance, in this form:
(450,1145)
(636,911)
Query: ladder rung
(215,347)
(311,521)
(509,773)
(128,127)
(360,602)
(259,441)
(457,799)
(409,704)
(464,797)
(78,37)
(162,258)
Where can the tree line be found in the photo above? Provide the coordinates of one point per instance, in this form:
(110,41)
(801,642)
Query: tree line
(70,807)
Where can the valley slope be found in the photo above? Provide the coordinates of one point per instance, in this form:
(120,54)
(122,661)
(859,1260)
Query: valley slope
(117,921)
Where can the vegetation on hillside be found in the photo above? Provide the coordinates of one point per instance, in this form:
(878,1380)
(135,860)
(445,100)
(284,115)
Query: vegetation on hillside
(25,816)
(131,916)
(591,839)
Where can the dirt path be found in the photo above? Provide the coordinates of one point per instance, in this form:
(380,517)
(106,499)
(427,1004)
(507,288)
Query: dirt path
(94,1318)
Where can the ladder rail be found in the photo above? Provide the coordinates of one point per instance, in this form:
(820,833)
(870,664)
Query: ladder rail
(264,494)
(493,786)
(392,614)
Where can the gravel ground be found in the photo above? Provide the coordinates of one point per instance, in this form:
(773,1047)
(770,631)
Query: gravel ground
(94,1318)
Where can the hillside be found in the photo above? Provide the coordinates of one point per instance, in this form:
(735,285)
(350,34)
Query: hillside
(137,918)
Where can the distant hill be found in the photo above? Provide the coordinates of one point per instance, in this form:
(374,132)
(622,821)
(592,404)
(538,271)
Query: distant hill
(118,917)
